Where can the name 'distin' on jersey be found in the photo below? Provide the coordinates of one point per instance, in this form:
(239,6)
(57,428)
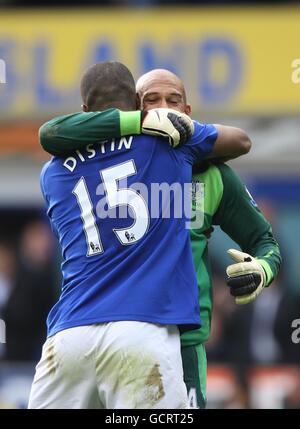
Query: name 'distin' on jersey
(105,146)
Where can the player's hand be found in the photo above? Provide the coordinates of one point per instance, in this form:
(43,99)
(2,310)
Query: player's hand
(176,126)
(246,278)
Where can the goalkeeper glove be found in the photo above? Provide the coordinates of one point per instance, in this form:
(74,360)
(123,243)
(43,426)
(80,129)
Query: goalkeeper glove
(176,126)
(246,278)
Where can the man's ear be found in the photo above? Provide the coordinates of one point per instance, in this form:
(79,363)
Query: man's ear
(84,107)
(188,109)
(138,102)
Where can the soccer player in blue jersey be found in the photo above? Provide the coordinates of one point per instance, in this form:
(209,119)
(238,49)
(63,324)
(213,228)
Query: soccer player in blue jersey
(129,285)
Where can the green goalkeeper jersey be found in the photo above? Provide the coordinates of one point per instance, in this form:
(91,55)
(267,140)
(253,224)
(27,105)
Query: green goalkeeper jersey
(226,201)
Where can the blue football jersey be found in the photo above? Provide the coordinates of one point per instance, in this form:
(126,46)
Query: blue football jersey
(125,242)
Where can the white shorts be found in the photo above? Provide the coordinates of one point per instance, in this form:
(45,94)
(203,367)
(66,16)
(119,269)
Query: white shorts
(112,365)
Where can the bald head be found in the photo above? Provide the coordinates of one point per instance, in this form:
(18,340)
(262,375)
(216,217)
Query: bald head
(162,88)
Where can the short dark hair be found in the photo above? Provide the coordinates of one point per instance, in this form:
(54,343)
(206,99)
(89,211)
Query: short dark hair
(108,84)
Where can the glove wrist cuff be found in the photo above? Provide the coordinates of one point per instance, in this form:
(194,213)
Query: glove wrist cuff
(130,122)
(267,269)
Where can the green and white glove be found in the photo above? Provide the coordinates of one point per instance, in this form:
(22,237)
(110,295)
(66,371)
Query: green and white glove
(176,126)
(246,278)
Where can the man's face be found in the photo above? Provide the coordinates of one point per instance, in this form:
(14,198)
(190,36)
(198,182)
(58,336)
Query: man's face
(163,92)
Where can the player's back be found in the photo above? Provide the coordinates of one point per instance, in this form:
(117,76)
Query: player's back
(124,256)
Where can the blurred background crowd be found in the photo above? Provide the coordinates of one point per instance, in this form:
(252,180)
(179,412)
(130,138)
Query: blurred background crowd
(237,67)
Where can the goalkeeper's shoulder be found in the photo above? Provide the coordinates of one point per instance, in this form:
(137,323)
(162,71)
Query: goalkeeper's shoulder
(227,173)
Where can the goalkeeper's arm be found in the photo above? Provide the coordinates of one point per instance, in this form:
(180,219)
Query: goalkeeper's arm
(68,133)
(64,134)
(239,217)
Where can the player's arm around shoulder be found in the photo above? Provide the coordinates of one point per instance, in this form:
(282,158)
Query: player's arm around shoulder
(218,142)
(231,143)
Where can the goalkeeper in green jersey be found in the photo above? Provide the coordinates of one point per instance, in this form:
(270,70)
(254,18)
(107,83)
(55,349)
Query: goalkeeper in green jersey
(225,202)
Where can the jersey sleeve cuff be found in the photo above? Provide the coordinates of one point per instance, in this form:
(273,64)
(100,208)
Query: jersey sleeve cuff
(268,271)
(130,123)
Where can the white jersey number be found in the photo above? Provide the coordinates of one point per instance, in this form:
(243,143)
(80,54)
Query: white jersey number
(115,197)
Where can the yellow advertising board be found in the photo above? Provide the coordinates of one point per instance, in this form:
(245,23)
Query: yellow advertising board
(233,61)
